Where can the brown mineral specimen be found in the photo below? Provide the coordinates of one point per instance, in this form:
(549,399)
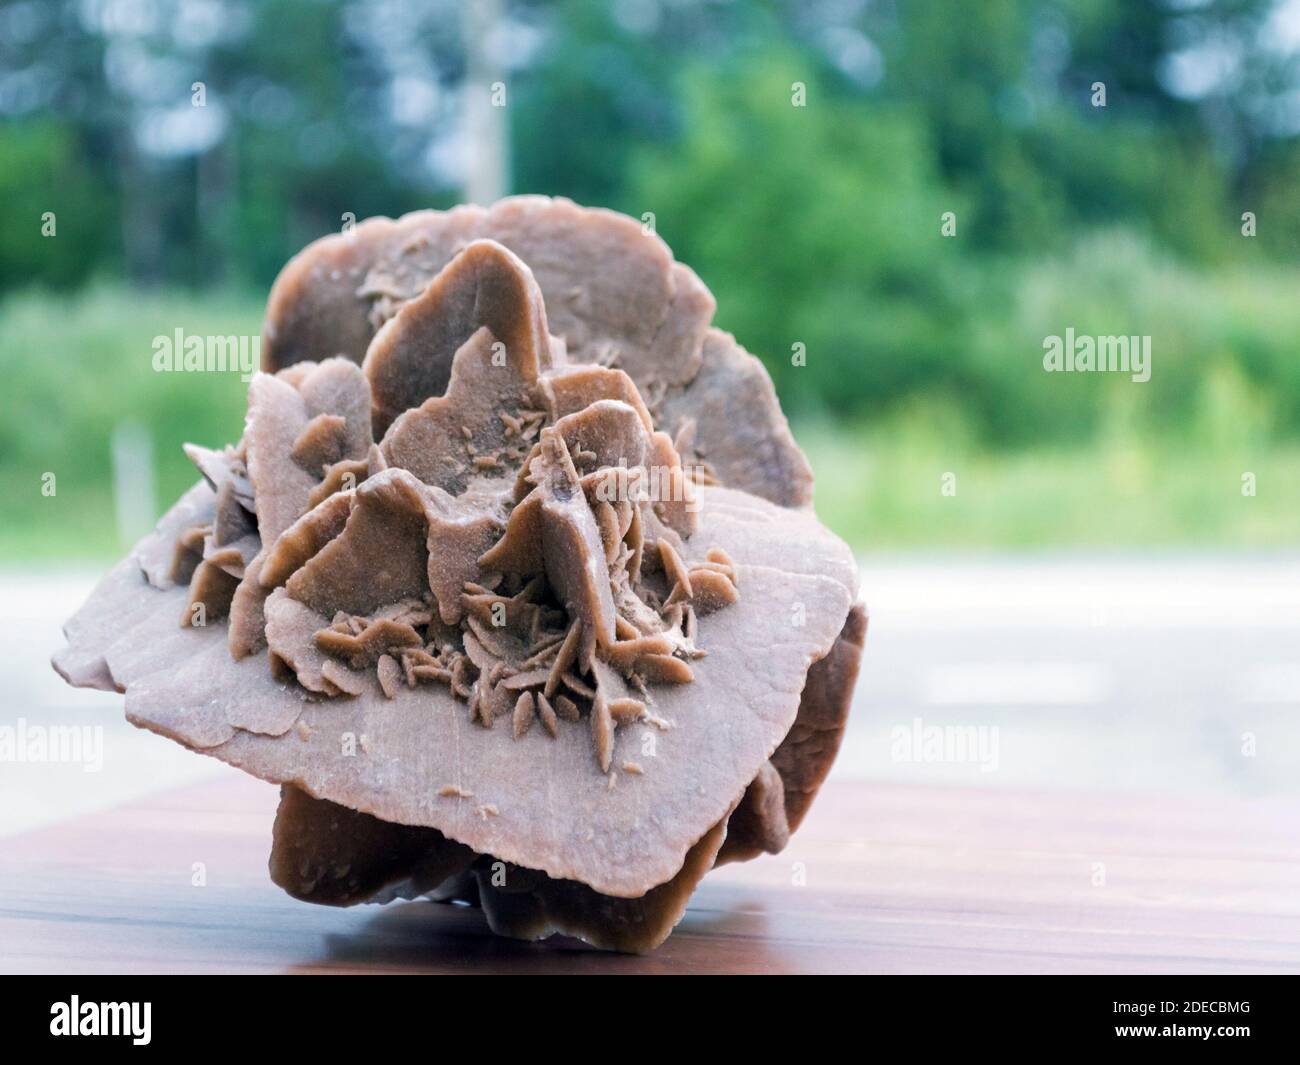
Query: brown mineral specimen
(512,583)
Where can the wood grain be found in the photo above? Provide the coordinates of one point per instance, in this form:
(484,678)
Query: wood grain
(879,879)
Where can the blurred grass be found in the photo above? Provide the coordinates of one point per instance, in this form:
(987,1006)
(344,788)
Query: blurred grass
(76,366)
(882,491)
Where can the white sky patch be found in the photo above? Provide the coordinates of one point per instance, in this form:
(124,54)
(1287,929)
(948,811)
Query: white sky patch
(1282,28)
(1206,67)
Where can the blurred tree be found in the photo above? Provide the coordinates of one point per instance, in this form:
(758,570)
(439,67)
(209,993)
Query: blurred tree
(1019,128)
(60,223)
(604,83)
(811,226)
(224,135)
(306,146)
(203,142)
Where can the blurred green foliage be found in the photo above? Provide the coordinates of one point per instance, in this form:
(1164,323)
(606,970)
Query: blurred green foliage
(77,366)
(835,222)
(41,175)
(80,365)
(816,225)
(882,489)
(840,229)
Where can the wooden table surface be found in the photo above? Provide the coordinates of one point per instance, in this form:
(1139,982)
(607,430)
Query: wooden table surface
(880,879)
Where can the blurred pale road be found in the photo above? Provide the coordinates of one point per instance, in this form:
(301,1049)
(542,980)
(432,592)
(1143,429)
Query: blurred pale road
(1160,674)
(1157,674)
